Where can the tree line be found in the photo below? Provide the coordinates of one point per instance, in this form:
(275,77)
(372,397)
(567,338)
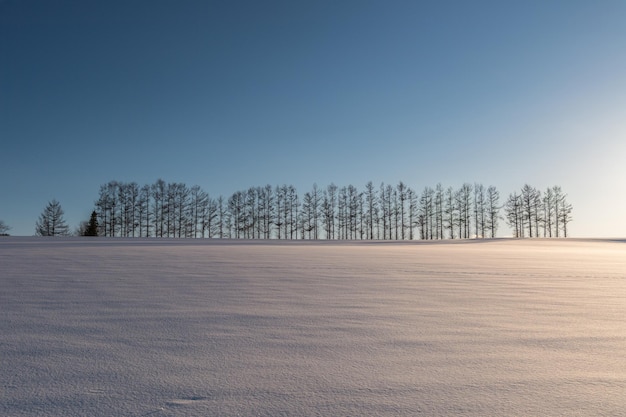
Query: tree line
(383,212)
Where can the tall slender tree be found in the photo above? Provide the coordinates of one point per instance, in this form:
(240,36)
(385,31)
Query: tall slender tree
(464,203)
(529,198)
(427,214)
(565,214)
(221,218)
(450,212)
(159,207)
(515,214)
(548,212)
(493,210)
(385,208)
(558,198)
(371,212)
(413,212)
(439,211)
(294,215)
(480,208)
(401,192)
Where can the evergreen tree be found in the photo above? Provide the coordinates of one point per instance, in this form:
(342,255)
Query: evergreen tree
(51,221)
(92,226)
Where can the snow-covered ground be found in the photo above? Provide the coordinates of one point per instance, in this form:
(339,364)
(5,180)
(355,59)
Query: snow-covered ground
(115,327)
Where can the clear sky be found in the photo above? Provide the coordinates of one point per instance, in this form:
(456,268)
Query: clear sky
(233,94)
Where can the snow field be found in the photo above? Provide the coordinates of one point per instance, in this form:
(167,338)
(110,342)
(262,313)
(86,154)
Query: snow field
(148,327)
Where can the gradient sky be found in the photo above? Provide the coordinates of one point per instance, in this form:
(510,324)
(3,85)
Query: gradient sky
(233,94)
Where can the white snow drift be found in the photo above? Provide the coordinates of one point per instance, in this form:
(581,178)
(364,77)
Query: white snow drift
(216,328)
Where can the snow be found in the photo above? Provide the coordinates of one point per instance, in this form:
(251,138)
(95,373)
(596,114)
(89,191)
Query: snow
(141,327)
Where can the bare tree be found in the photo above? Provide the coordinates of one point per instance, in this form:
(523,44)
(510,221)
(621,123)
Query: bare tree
(251,217)
(280,220)
(493,210)
(395,210)
(143,211)
(123,209)
(105,207)
(332,205)
(464,204)
(480,209)
(390,208)
(439,211)
(316,198)
(159,207)
(362,232)
(328,210)
(385,208)
(353,211)
(538,213)
(515,214)
(548,212)
(128,198)
(198,211)
(266,207)
(558,199)
(556,212)
(413,212)
(221,218)
(51,221)
(401,190)
(372,208)
(565,214)
(427,213)
(210,220)
(527,196)
(292,213)
(236,214)
(327,214)
(450,212)
(178,213)
(4,228)
(308,216)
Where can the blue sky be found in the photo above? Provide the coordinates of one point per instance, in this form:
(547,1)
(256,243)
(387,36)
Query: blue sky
(233,94)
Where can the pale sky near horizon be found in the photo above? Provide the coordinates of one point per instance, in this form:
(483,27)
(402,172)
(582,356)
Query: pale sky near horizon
(233,94)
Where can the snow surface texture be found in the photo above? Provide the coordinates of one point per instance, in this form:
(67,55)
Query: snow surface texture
(120,327)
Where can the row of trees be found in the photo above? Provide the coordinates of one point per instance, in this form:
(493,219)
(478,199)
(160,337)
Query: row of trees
(385,212)
(533,214)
